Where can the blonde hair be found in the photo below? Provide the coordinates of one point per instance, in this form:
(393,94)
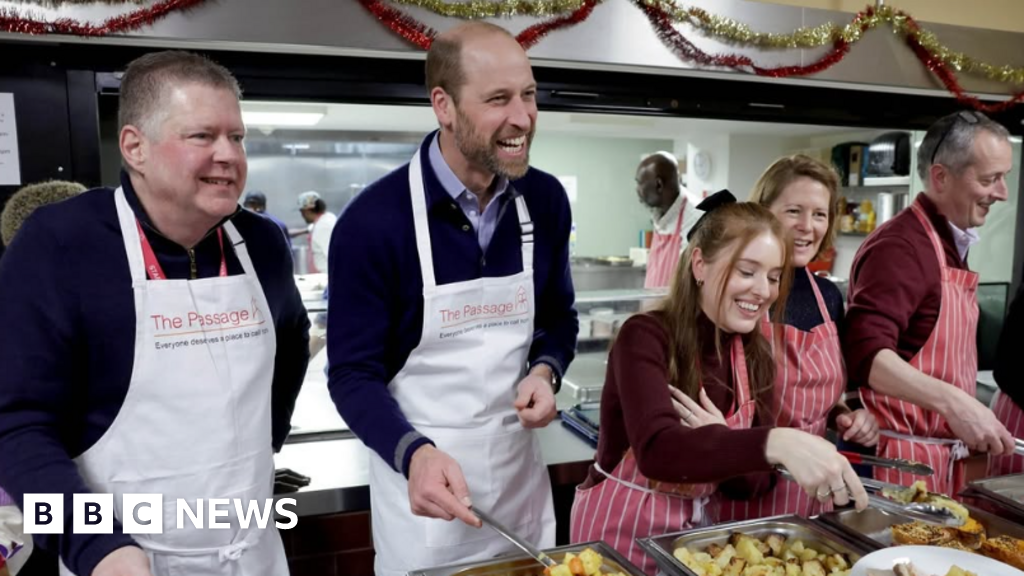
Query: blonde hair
(25,201)
(724,233)
(788,169)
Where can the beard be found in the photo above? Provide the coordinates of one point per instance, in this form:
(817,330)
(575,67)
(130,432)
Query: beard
(481,150)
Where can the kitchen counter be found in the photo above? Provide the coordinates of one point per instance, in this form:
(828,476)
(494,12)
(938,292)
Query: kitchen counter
(339,469)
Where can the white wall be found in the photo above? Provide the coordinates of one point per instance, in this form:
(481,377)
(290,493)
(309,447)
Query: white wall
(717,148)
(607,212)
(749,156)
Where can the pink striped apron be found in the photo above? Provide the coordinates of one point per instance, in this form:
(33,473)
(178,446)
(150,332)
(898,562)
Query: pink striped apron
(664,255)
(810,380)
(626,505)
(1012,417)
(910,432)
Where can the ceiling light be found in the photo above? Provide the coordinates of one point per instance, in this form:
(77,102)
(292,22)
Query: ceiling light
(296,146)
(256,118)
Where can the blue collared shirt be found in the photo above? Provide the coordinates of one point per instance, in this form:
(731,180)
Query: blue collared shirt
(485,223)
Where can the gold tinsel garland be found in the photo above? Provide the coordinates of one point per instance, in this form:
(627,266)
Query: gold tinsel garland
(826,34)
(476,9)
(736,32)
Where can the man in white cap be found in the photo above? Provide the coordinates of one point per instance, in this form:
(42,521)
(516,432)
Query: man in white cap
(321,224)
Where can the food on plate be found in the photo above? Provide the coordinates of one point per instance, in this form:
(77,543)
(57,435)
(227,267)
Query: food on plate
(745,555)
(908,569)
(1005,549)
(587,563)
(919,494)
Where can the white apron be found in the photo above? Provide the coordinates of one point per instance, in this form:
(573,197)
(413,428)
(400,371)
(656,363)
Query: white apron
(196,420)
(457,388)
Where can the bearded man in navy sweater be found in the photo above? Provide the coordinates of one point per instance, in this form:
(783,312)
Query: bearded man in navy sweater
(154,340)
(451,316)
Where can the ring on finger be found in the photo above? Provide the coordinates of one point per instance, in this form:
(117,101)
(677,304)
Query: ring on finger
(823,495)
(837,491)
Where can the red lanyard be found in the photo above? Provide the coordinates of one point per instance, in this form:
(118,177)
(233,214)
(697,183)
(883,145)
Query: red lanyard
(153,268)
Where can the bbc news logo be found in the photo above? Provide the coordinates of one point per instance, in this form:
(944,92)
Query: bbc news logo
(144,513)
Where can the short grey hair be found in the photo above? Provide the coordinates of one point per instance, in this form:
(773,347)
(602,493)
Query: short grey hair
(149,79)
(950,141)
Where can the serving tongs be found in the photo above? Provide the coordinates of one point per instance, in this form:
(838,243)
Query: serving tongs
(1019,448)
(908,466)
(514,538)
(927,513)
(921,511)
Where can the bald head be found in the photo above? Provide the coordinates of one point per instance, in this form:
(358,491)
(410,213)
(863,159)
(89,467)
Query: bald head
(445,66)
(657,181)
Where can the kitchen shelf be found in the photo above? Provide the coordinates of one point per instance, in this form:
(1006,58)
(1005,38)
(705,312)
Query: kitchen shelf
(876,181)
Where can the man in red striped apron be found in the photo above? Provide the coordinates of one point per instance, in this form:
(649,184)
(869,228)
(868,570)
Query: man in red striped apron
(1009,373)
(913,313)
(658,186)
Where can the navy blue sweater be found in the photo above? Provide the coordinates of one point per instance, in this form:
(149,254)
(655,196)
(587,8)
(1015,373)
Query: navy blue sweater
(67,338)
(802,307)
(376,297)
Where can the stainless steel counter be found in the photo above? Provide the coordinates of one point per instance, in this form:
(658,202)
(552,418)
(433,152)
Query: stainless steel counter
(339,469)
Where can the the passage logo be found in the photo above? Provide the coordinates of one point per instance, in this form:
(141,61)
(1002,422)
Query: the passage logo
(144,513)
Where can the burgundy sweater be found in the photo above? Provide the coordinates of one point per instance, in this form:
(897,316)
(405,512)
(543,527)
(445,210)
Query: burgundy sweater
(637,412)
(895,290)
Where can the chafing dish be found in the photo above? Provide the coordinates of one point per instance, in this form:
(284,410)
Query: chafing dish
(1002,494)
(814,535)
(522,565)
(872,526)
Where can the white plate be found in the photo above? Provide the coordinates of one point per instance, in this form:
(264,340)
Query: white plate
(932,561)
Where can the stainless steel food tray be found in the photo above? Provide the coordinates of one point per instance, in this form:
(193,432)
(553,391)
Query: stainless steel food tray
(813,534)
(1006,492)
(873,525)
(522,565)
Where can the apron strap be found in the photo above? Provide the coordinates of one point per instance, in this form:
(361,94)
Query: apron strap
(933,234)
(525,232)
(238,244)
(699,503)
(228,553)
(822,308)
(957,449)
(420,223)
(130,235)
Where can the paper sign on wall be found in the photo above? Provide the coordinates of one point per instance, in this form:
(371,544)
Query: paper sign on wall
(10,167)
(569,183)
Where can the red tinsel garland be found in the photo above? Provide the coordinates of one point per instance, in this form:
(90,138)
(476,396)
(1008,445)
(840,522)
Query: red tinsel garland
(11,21)
(949,79)
(662,22)
(529,37)
(421,35)
(414,31)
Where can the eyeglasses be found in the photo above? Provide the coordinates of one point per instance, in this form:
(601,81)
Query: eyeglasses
(968,116)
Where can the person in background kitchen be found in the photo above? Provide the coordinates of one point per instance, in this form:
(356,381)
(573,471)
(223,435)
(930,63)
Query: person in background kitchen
(656,473)
(803,194)
(18,208)
(257,202)
(451,317)
(1009,375)
(321,225)
(154,340)
(913,312)
(673,213)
